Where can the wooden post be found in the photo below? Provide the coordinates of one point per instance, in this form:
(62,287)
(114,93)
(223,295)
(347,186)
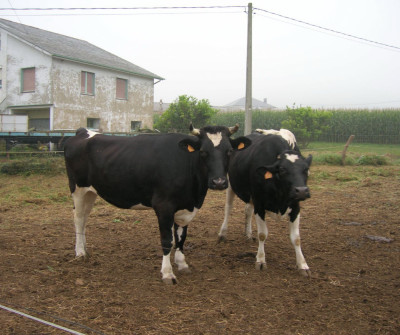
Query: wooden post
(249,68)
(350,139)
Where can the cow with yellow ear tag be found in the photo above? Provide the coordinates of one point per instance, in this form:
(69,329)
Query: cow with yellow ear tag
(169,173)
(270,177)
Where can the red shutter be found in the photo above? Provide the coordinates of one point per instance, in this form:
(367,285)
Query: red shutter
(83,82)
(121,88)
(89,84)
(28,80)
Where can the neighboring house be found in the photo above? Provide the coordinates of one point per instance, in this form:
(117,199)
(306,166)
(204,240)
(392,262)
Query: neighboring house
(160,106)
(61,83)
(240,105)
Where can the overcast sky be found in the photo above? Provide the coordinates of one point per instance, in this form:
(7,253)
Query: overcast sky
(202,52)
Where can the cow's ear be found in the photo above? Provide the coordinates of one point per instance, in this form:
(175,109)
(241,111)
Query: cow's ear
(309,160)
(268,171)
(189,145)
(240,143)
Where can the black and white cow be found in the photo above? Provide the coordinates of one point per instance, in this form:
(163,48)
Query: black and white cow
(271,176)
(167,172)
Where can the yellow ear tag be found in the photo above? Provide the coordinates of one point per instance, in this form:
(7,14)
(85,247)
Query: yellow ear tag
(268,175)
(190,148)
(241,145)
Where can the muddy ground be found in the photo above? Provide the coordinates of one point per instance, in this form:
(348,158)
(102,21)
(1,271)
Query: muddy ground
(350,233)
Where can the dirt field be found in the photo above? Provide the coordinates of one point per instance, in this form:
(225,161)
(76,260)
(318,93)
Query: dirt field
(350,237)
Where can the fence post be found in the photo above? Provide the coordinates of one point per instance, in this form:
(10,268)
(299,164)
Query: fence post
(350,139)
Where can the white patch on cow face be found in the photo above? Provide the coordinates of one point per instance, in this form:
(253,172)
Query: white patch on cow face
(215,138)
(183,217)
(91,133)
(292,158)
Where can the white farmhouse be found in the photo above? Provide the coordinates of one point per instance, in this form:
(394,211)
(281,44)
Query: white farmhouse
(60,83)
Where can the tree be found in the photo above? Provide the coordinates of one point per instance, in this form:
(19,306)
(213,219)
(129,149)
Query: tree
(182,111)
(307,124)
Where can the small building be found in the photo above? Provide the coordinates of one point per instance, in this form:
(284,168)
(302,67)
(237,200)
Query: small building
(61,83)
(240,105)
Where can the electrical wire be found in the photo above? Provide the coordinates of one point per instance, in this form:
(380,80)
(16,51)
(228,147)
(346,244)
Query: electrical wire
(328,29)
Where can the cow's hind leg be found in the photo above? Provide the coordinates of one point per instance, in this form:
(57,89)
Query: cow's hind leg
(294,227)
(262,229)
(84,198)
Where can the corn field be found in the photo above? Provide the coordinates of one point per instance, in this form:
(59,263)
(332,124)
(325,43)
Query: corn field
(368,126)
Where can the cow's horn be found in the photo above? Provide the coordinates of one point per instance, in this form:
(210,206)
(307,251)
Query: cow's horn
(234,129)
(194,130)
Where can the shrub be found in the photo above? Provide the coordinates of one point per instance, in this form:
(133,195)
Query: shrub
(184,110)
(306,124)
(374,160)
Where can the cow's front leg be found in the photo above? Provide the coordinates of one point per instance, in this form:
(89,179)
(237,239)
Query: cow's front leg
(262,235)
(294,227)
(165,223)
(180,237)
(84,198)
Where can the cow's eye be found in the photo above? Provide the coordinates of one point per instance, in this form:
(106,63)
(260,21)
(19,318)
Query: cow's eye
(229,152)
(282,171)
(203,153)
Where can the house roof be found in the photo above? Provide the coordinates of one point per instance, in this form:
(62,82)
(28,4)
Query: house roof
(255,103)
(72,49)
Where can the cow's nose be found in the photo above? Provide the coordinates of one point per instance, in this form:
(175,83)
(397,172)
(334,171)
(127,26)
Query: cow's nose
(219,183)
(302,192)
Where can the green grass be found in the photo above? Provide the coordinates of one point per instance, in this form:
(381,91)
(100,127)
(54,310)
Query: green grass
(357,153)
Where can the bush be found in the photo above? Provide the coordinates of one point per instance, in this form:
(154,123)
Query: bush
(374,160)
(184,110)
(306,124)
(26,167)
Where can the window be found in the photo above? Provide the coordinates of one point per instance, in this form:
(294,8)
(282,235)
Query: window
(28,80)
(93,123)
(135,125)
(122,89)
(87,83)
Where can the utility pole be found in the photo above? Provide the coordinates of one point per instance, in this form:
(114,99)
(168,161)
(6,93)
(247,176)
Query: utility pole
(249,69)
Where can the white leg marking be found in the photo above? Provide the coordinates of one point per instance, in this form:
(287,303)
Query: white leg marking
(248,212)
(84,198)
(230,195)
(262,230)
(166,270)
(180,261)
(294,228)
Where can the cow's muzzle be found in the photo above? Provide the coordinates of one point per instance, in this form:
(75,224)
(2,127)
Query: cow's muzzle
(219,184)
(302,193)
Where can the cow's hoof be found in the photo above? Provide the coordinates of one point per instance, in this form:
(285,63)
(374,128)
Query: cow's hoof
(170,281)
(81,258)
(221,238)
(185,270)
(305,273)
(261,266)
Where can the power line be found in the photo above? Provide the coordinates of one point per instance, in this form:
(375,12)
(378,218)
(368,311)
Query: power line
(197,7)
(328,29)
(119,8)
